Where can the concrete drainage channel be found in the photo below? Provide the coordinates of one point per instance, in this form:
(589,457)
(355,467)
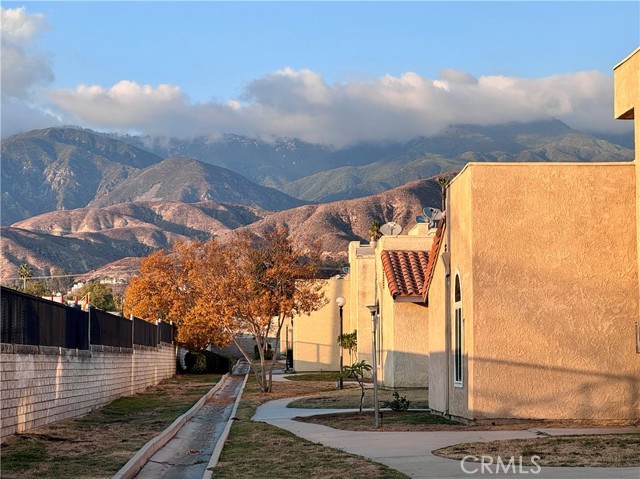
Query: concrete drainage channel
(190,447)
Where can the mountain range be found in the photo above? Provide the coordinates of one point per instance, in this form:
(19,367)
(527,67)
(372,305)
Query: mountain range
(80,200)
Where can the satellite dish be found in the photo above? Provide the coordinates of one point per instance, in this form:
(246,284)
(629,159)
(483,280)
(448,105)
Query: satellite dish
(433,213)
(390,229)
(346,270)
(422,219)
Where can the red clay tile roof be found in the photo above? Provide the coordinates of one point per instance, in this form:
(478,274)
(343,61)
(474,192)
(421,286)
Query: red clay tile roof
(405,271)
(433,256)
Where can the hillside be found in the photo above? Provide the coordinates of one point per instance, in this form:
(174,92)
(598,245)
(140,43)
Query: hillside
(69,168)
(188,180)
(331,226)
(86,239)
(425,157)
(62,168)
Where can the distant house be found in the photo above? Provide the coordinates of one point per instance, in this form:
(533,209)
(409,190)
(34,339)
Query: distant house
(389,273)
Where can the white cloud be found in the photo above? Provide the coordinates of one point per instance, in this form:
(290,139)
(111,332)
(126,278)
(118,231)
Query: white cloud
(292,103)
(23,68)
(301,104)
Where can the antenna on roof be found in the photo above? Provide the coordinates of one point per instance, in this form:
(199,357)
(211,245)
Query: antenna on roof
(390,229)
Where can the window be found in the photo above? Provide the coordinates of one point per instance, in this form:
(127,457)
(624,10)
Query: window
(458,334)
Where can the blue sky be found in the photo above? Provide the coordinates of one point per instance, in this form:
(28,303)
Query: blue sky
(332,72)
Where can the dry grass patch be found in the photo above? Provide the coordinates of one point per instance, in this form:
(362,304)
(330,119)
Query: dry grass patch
(611,450)
(389,421)
(99,444)
(349,398)
(256,449)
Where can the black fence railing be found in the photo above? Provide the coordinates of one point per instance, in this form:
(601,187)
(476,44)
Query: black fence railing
(145,333)
(167,333)
(110,330)
(35,321)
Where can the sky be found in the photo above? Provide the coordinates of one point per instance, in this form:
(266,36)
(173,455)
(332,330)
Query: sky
(328,72)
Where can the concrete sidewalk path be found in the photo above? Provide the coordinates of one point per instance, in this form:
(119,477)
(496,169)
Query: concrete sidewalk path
(410,452)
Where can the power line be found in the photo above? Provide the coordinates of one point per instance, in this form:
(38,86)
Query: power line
(72,275)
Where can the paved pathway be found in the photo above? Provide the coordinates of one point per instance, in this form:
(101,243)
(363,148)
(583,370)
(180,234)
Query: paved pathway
(187,454)
(410,452)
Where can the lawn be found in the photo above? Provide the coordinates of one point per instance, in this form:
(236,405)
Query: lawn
(618,450)
(389,421)
(261,450)
(350,398)
(99,444)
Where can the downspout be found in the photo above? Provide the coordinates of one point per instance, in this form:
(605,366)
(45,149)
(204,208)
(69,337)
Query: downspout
(446,257)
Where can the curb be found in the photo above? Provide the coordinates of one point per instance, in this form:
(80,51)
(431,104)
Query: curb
(140,458)
(215,456)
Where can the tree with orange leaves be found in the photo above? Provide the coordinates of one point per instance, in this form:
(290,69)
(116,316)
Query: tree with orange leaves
(216,291)
(263,283)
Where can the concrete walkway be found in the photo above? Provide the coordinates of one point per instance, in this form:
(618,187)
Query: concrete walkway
(410,452)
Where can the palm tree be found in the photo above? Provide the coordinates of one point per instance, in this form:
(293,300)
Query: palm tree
(374,231)
(25,271)
(444,181)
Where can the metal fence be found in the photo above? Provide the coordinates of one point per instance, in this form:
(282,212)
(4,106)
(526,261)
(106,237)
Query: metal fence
(144,332)
(35,321)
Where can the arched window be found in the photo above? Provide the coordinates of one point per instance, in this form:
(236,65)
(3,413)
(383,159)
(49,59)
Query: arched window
(458,334)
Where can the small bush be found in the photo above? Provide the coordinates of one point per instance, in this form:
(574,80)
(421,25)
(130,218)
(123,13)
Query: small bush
(268,354)
(398,403)
(196,362)
(201,362)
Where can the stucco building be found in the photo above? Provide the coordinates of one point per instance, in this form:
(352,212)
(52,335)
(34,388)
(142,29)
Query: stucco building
(529,290)
(533,288)
(390,273)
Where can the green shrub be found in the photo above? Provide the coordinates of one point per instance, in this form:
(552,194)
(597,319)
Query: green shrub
(201,362)
(398,403)
(196,362)
(268,354)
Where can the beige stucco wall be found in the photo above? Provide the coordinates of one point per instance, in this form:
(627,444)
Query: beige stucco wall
(403,327)
(438,368)
(362,276)
(315,336)
(626,77)
(547,256)
(411,346)
(461,238)
(403,359)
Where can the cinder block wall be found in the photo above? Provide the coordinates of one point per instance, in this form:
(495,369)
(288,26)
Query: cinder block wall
(41,385)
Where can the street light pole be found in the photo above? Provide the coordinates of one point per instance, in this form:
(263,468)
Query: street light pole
(340,301)
(376,411)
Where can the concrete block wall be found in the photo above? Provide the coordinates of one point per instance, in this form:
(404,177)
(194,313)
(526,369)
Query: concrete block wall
(40,385)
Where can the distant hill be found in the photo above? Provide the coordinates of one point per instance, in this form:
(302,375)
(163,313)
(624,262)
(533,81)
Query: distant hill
(273,163)
(188,180)
(68,168)
(88,239)
(62,168)
(549,141)
(333,225)
(320,173)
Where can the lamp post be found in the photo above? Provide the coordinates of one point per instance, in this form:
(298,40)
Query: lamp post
(340,301)
(374,320)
